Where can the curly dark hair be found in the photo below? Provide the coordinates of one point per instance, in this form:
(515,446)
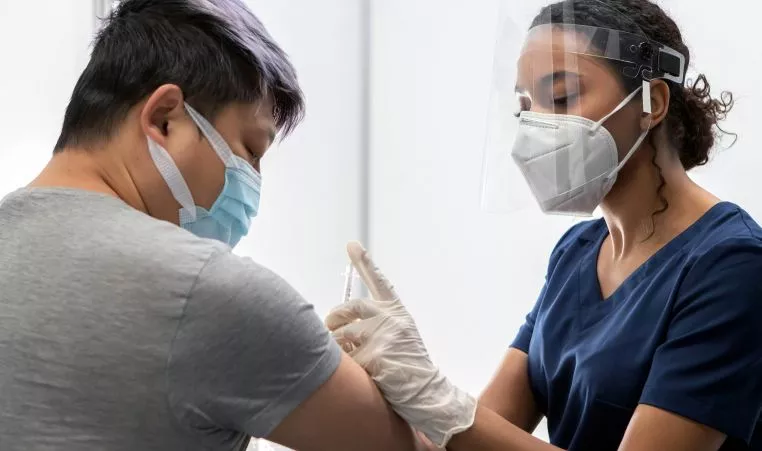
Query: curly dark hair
(693,117)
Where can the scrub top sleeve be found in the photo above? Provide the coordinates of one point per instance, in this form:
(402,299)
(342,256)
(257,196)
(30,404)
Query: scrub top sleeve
(709,367)
(524,336)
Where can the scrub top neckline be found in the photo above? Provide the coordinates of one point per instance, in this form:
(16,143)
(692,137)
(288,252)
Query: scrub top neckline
(642,271)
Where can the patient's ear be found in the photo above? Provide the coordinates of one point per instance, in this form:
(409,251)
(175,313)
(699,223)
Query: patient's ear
(162,108)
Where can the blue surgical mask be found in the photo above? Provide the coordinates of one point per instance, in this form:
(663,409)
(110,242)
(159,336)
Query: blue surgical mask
(230,217)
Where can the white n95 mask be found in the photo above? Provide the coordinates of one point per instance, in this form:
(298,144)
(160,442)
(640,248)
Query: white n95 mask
(571,162)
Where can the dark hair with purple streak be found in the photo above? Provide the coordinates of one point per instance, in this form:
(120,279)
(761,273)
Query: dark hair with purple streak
(216,51)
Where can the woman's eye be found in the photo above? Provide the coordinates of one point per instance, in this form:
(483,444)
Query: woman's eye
(564,101)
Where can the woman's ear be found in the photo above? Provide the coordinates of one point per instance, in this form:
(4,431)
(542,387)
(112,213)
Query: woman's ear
(660,97)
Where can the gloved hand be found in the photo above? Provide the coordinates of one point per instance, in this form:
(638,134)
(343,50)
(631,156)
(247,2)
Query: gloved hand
(382,337)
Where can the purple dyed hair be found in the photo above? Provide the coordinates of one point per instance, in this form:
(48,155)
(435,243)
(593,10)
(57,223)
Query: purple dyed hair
(216,51)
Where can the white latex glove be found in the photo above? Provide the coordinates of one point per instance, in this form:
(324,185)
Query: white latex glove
(382,337)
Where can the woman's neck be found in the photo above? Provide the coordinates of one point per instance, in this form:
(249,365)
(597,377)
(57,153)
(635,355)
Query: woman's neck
(652,203)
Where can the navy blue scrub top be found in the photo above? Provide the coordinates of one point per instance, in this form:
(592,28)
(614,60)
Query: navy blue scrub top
(683,333)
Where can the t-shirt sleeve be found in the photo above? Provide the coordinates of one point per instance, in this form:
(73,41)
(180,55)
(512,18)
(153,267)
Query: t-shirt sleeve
(249,350)
(709,369)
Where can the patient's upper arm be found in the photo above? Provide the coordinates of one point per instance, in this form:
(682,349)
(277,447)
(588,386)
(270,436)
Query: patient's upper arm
(252,358)
(346,413)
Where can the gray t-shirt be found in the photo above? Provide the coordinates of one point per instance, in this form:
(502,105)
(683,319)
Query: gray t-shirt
(122,332)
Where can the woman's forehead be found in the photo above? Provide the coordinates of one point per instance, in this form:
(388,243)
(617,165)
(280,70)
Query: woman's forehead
(547,67)
(556,39)
(552,64)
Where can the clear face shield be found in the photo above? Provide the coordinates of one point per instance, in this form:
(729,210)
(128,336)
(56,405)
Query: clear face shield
(567,110)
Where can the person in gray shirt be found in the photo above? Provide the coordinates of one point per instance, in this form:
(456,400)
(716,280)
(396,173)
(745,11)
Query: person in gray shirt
(126,323)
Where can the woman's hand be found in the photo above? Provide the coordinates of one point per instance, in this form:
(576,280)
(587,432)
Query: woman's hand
(382,337)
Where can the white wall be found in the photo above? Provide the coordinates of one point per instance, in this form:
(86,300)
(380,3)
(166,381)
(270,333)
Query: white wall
(44,48)
(720,45)
(311,204)
(470,277)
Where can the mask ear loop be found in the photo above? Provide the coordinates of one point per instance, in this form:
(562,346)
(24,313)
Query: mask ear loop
(217,142)
(647,111)
(174,180)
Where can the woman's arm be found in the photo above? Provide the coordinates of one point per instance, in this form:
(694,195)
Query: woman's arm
(491,432)
(509,394)
(652,428)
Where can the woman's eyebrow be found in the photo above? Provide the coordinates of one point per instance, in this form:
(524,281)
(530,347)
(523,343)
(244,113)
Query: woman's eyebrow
(547,81)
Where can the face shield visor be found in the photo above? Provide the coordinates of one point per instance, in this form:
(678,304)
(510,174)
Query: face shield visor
(560,95)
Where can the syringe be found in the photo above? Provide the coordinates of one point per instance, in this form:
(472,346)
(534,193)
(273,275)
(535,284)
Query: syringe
(349,276)
(348,280)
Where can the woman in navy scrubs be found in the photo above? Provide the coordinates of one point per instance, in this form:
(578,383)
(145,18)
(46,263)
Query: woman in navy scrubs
(648,332)
(647,335)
